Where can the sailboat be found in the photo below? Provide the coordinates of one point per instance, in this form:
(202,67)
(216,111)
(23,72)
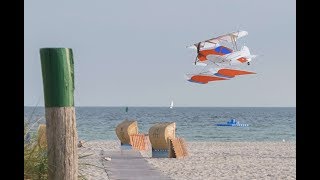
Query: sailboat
(171,105)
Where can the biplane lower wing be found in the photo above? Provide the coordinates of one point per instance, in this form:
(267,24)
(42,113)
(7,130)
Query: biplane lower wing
(230,73)
(204,78)
(221,74)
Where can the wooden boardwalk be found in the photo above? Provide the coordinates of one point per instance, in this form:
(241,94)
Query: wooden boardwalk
(130,165)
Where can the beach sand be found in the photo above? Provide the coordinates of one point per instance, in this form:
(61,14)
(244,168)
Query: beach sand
(206,160)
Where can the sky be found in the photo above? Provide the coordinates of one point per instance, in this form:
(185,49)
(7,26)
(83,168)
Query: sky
(133,53)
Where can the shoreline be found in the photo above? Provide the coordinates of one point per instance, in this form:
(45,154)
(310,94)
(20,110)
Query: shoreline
(206,160)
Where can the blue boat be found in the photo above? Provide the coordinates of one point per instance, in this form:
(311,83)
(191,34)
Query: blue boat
(232,122)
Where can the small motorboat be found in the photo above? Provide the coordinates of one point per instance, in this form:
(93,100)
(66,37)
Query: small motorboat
(232,122)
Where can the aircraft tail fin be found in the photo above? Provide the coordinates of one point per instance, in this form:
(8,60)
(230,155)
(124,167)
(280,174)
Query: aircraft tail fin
(247,53)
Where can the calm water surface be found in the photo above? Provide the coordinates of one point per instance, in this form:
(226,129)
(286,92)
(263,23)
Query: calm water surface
(193,123)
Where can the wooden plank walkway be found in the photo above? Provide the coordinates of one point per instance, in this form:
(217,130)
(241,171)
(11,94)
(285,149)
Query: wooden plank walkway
(130,165)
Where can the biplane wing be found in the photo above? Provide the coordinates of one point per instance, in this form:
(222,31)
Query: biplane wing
(204,78)
(230,37)
(231,73)
(218,75)
(214,42)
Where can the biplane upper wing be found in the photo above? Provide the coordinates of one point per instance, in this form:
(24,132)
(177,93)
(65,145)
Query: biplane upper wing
(211,43)
(230,37)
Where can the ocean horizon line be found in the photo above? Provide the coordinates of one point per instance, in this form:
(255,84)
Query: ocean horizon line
(186,106)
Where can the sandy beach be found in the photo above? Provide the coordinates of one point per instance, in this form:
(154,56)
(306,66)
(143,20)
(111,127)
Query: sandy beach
(206,160)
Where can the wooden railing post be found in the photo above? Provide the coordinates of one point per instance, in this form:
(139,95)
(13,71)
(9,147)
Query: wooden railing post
(58,84)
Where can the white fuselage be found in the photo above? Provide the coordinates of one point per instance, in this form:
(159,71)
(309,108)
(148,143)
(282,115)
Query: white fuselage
(231,58)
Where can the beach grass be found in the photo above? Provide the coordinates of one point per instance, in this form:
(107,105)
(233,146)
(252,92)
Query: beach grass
(35,155)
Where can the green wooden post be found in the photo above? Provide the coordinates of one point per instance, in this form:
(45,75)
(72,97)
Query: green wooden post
(58,84)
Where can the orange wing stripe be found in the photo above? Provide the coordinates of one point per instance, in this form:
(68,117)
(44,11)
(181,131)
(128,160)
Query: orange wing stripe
(205,79)
(233,72)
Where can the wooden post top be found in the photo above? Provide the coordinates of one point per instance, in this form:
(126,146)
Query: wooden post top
(58,76)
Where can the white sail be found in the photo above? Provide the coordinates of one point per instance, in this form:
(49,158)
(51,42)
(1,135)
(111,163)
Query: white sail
(171,105)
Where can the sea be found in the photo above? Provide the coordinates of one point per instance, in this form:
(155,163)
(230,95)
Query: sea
(193,123)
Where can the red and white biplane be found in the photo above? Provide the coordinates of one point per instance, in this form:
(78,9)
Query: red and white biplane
(219,60)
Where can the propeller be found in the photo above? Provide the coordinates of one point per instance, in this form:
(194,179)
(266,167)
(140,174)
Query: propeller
(198,52)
